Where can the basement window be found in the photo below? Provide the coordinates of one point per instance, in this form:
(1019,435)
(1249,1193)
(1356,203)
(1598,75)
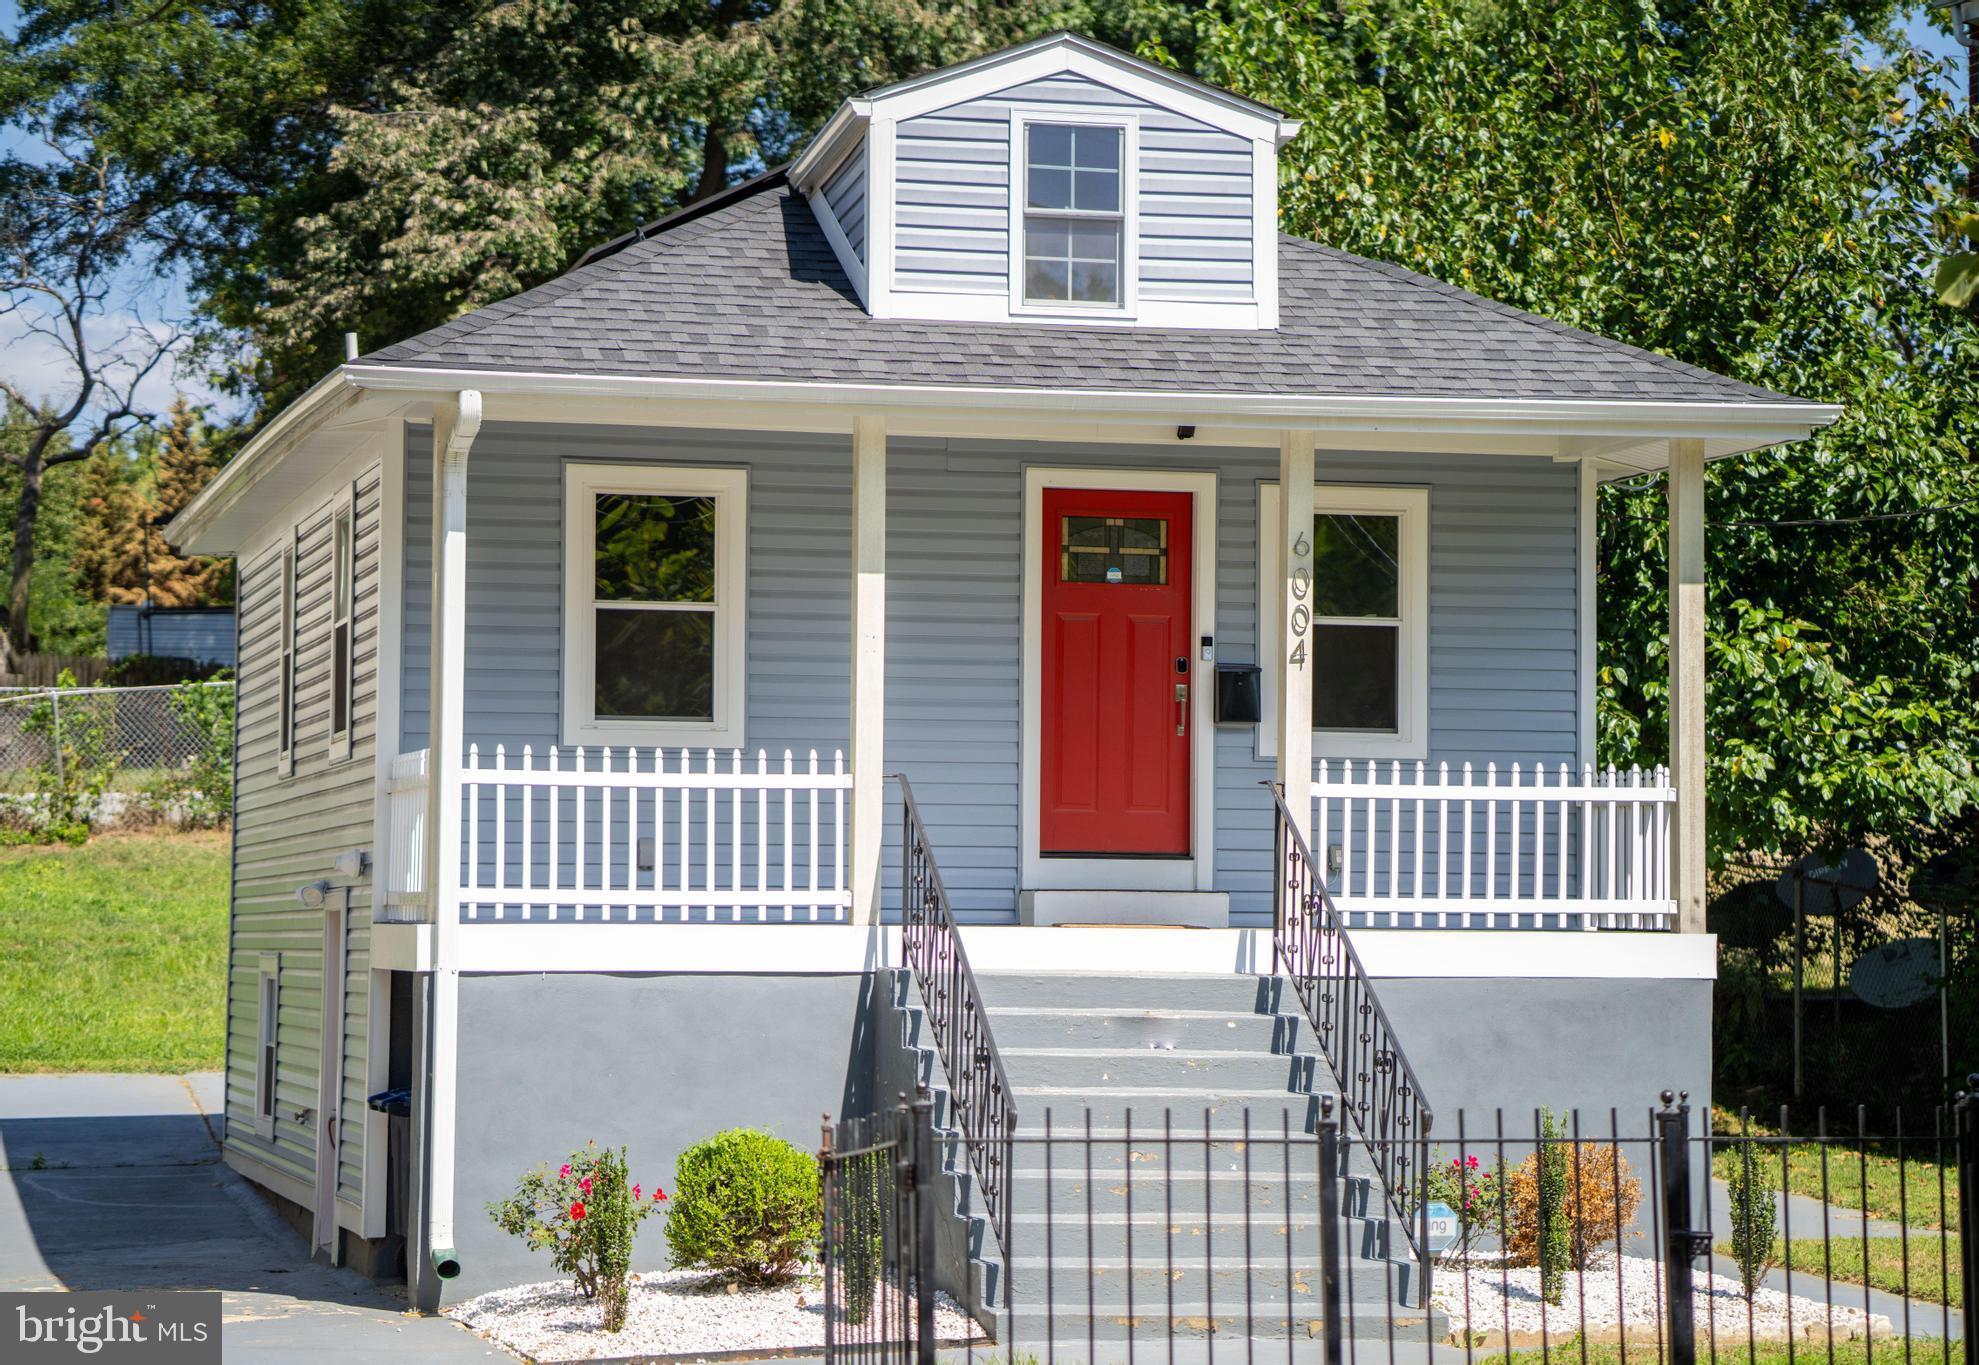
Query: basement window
(266,1038)
(654,599)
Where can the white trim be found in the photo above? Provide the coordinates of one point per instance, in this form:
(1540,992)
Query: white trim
(1587,534)
(1411,504)
(388,652)
(330,1074)
(267,1043)
(936,306)
(841,949)
(1264,232)
(880,171)
(1194,873)
(868,681)
(1067,54)
(1128,124)
(841,246)
(832,144)
(730,489)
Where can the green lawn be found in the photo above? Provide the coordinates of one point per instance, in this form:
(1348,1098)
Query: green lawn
(113,955)
(1930,1258)
(1897,1191)
(1915,1351)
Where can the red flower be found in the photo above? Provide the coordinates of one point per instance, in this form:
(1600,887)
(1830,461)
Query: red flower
(563,1172)
(577,1210)
(585,1184)
(659,1195)
(1471,1162)
(635,1191)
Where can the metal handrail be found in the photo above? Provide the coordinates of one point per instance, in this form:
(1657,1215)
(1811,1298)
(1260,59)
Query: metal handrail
(1380,1091)
(979,1092)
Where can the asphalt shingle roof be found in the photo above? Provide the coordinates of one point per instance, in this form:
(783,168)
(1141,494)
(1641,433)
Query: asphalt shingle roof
(752,290)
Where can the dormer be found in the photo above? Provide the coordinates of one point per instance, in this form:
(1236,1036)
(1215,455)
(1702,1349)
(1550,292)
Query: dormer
(1142,197)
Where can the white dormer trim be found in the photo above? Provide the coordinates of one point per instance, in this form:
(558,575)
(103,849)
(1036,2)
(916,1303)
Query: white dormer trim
(848,259)
(1264,232)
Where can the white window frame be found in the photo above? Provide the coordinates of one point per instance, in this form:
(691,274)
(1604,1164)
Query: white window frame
(267,1041)
(730,490)
(1411,739)
(343,510)
(288,652)
(1129,124)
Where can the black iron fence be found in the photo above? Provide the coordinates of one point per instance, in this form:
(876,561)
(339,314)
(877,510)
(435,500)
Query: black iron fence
(979,1092)
(879,1236)
(1383,1099)
(1610,1237)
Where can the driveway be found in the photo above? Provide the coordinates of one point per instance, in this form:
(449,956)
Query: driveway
(115,1182)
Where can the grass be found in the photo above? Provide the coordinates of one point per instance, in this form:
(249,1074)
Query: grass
(1914,1351)
(1930,1258)
(1876,1181)
(113,954)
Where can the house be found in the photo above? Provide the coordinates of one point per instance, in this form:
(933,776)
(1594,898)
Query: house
(1002,443)
(202,635)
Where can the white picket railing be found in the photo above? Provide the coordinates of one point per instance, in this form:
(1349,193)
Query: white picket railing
(402,899)
(644,834)
(1496,848)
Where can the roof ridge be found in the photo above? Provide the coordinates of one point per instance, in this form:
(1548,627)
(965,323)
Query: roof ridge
(1499,307)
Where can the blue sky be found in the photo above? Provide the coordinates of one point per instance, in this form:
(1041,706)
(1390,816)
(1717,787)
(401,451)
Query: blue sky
(152,297)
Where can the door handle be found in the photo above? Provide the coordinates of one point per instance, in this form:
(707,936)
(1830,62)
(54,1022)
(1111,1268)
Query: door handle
(1181,709)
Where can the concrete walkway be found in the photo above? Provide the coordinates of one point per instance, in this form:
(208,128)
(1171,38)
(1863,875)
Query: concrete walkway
(115,1182)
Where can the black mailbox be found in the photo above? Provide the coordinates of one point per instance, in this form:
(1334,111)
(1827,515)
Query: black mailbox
(1239,694)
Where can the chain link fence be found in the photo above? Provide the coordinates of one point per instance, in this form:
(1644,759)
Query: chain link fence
(77,758)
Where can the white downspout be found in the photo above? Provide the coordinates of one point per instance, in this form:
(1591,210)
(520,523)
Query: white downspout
(455,425)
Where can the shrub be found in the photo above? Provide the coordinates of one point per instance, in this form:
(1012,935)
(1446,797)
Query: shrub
(1749,1191)
(1565,1201)
(745,1205)
(207,793)
(67,783)
(584,1215)
(1472,1190)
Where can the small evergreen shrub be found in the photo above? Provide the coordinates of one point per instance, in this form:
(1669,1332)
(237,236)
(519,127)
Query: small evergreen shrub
(746,1206)
(584,1215)
(1565,1202)
(1749,1191)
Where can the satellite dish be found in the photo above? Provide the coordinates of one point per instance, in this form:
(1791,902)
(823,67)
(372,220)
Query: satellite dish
(1831,886)
(1896,974)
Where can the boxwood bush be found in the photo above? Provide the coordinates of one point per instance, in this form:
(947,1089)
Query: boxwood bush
(745,1205)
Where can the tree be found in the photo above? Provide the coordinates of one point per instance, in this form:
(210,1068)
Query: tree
(66,226)
(313,187)
(122,555)
(1750,186)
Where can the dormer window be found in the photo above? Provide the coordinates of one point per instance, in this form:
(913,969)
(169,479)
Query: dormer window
(1074,221)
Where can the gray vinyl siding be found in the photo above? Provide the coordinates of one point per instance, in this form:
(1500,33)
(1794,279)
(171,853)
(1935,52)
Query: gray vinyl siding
(289,830)
(845,195)
(952,195)
(1503,627)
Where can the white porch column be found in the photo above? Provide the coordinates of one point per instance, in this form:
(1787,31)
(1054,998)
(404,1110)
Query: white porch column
(868,663)
(1687,680)
(455,426)
(1295,663)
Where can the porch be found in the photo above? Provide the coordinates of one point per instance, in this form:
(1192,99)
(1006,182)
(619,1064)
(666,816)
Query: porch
(576,835)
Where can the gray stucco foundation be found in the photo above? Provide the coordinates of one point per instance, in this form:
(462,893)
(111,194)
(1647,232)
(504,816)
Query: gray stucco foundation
(651,1062)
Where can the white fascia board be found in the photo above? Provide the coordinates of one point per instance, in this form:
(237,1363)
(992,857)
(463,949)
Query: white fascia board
(1763,423)
(832,144)
(1069,56)
(323,400)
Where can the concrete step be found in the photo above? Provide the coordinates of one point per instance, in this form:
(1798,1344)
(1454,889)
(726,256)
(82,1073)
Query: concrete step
(1224,992)
(1223,1111)
(1154,1068)
(1127,1029)
(1226,1276)
(1060,1332)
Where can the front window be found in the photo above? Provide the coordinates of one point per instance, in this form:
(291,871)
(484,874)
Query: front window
(1370,620)
(1073,216)
(654,601)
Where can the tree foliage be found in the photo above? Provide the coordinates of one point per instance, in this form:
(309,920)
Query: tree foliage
(1751,186)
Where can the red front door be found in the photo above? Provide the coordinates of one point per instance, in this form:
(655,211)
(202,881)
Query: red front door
(1117,673)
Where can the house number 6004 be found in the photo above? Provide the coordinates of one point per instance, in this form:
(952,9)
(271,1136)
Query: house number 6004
(1301,613)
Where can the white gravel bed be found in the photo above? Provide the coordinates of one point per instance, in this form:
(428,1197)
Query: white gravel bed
(670,1313)
(1499,1296)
